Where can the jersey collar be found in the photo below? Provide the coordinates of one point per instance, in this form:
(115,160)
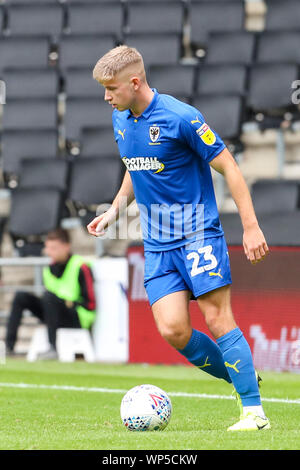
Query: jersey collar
(147,112)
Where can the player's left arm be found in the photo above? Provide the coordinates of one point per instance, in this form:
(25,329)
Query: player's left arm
(255,245)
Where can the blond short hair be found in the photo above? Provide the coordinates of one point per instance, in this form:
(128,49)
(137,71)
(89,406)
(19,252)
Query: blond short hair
(115,60)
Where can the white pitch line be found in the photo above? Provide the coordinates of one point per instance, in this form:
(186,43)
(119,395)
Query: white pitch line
(75,388)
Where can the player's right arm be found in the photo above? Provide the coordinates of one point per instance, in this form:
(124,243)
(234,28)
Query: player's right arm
(122,200)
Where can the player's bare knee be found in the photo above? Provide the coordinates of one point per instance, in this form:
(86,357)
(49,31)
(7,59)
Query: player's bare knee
(219,320)
(214,318)
(176,335)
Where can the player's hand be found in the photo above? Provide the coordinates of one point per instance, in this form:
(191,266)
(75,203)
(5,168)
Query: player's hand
(99,224)
(255,245)
(69,303)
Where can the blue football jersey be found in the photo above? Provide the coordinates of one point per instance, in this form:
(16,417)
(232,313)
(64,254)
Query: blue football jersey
(167,151)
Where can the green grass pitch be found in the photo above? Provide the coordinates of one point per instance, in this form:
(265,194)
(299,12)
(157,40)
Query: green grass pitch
(44,414)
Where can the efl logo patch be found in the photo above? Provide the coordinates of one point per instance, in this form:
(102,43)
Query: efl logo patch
(206,134)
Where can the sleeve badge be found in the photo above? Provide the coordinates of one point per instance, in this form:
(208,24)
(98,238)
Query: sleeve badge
(206,134)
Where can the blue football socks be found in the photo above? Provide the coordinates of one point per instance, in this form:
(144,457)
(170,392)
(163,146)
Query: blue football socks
(238,361)
(205,354)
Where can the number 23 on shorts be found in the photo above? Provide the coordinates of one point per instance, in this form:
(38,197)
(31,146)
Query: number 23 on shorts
(198,267)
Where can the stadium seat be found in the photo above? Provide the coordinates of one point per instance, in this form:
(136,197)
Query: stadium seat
(30,113)
(72,341)
(277,215)
(273,196)
(232,227)
(38,344)
(182,83)
(278,46)
(270,89)
(98,141)
(83,50)
(79,82)
(85,112)
(30,83)
(158,49)
(236,47)
(168,16)
(26,143)
(3,220)
(1,18)
(276,203)
(33,18)
(12,2)
(282,15)
(221,79)
(281,228)
(223,113)
(92,18)
(94,180)
(44,172)
(34,211)
(207,16)
(24,51)
(92,1)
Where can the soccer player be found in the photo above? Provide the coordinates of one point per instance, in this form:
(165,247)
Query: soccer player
(168,150)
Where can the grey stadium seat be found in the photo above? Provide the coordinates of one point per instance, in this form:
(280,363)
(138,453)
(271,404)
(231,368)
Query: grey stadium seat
(278,46)
(92,1)
(1,18)
(44,172)
(98,142)
(32,18)
(22,51)
(222,79)
(270,87)
(271,196)
(35,1)
(79,82)
(27,143)
(232,226)
(145,17)
(181,84)
(94,180)
(275,203)
(235,47)
(160,48)
(31,83)
(34,211)
(90,17)
(30,113)
(280,229)
(223,113)
(208,16)
(3,220)
(85,112)
(83,50)
(282,15)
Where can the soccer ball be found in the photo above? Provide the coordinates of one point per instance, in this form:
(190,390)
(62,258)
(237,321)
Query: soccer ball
(146,408)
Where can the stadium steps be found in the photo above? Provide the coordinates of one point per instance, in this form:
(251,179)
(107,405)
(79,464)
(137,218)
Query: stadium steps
(25,332)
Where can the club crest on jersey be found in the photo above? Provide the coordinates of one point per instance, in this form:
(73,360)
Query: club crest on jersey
(206,134)
(154,132)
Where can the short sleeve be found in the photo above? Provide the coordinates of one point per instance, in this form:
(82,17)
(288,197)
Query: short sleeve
(197,134)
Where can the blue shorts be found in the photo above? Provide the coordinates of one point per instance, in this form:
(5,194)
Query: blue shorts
(200,268)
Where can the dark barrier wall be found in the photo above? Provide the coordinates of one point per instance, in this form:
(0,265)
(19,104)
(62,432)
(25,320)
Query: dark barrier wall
(265,301)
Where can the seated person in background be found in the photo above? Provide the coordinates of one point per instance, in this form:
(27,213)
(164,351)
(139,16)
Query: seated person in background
(69,300)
